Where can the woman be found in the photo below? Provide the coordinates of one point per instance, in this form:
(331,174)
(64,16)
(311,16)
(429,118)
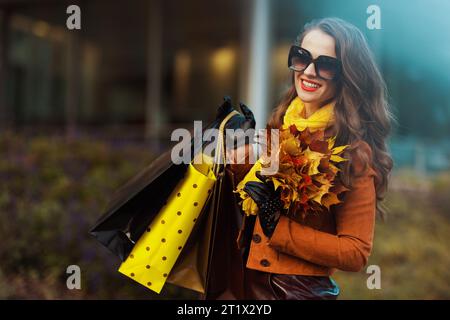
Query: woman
(336,86)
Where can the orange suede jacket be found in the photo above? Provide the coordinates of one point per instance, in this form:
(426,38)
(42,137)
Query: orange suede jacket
(318,244)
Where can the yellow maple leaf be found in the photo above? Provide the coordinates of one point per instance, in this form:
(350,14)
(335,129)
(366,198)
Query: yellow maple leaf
(333,168)
(339,149)
(330,199)
(278,182)
(337,158)
(249,206)
(323,190)
(314,160)
(331,142)
(291,146)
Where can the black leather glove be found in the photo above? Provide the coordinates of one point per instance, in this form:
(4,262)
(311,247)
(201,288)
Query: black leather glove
(268,201)
(243,121)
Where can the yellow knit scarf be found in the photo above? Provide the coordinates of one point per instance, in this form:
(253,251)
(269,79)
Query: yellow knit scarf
(320,119)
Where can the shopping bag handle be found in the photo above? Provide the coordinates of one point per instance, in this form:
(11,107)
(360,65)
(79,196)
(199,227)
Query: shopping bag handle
(220,148)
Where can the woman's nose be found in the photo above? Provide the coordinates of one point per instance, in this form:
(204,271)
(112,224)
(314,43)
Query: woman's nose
(310,70)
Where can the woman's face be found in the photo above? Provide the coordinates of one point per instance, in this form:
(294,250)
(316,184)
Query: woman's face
(319,90)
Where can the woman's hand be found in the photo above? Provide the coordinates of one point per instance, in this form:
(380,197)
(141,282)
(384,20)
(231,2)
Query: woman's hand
(268,201)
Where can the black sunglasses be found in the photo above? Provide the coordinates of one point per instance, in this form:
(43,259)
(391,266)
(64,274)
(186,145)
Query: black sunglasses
(327,68)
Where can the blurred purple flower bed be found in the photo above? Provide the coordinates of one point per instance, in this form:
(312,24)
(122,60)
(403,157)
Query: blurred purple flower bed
(52,191)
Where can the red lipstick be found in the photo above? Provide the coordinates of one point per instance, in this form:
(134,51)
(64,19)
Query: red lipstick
(309,88)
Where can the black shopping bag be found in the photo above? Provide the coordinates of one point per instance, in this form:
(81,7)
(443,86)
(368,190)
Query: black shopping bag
(134,205)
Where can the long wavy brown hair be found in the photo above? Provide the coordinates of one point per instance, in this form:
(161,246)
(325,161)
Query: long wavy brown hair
(361,111)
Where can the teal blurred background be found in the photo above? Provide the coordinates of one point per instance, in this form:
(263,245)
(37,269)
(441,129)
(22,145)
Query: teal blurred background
(82,111)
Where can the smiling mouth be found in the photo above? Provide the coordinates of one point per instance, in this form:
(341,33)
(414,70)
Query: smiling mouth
(308,85)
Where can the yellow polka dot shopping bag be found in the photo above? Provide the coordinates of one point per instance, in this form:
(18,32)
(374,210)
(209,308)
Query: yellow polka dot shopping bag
(157,250)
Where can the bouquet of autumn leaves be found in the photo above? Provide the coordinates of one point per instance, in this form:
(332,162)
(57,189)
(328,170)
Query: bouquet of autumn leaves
(306,172)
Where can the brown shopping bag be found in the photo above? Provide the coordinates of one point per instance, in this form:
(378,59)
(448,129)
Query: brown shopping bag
(157,250)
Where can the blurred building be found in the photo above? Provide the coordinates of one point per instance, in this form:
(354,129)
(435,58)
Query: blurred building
(140,68)
(148,65)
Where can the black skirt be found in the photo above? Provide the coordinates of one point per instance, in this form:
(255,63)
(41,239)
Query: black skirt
(260,285)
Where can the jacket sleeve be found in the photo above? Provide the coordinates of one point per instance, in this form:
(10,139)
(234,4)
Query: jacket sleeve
(350,248)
